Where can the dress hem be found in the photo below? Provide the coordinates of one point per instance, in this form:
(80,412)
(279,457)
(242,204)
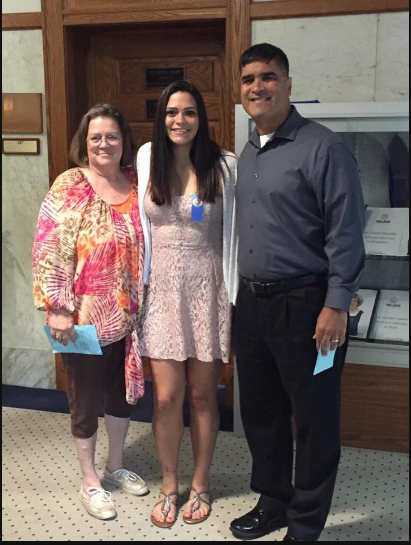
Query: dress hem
(182,360)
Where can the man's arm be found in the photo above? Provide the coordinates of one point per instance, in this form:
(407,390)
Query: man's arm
(344,222)
(343,213)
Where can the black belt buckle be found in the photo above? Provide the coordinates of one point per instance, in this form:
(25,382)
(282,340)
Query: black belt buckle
(255,287)
(249,284)
(265,288)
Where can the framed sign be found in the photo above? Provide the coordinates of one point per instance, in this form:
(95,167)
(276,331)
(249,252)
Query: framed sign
(160,78)
(22,113)
(21,146)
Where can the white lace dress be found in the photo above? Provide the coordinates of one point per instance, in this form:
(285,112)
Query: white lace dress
(186,313)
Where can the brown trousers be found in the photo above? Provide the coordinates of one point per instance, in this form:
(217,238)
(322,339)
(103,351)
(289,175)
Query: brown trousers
(94,382)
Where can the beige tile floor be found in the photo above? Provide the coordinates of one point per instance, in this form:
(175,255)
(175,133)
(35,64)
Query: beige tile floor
(40,483)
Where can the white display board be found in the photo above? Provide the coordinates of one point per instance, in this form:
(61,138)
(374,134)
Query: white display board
(387,231)
(392,320)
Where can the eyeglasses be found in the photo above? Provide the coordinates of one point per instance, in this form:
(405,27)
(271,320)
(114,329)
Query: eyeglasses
(110,139)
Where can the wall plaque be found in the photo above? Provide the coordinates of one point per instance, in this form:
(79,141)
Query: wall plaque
(160,78)
(151,108)
(21,146)
(22,113)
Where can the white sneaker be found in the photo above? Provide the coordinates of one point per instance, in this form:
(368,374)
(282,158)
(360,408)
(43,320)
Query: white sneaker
(127,480)
(98,503)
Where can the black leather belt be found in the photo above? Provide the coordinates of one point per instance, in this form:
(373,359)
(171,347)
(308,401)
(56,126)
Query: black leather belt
(268,288)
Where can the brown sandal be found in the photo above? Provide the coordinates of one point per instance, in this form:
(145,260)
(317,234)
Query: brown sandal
(166,508)
(196,502)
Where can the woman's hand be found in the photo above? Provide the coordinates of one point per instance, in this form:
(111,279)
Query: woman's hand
(62,326)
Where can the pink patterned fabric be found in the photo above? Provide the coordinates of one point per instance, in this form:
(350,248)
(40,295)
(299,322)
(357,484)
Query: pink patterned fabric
(86,261)
(187,312)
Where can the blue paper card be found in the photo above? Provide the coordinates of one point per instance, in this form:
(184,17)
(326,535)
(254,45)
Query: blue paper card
(86,341)
(324,362)
(197,209)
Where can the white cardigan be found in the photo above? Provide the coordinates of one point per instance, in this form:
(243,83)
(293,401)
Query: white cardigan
(230,238)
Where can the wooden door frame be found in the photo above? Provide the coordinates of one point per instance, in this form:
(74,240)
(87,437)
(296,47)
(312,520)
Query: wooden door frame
(285,9)
(22,21)
(56,18)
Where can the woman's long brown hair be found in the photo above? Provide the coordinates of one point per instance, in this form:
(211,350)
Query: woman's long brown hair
(205,154)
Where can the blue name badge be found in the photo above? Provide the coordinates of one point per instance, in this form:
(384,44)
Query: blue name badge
(324,362)
(197,209)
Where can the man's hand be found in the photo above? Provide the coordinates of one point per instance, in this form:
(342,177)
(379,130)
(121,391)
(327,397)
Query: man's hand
(331,329)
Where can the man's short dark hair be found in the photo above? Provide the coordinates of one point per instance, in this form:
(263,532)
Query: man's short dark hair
(265,53)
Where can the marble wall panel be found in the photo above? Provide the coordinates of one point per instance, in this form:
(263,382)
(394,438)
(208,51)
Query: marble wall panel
(30,368)
(25,182)
(332,58)
(393,60)
(20,6)
(22,61)
(355,58)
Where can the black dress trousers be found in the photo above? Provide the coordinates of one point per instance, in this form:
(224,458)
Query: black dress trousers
(276,357)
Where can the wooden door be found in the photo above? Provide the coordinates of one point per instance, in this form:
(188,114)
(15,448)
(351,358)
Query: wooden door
(119,60)
(109,65)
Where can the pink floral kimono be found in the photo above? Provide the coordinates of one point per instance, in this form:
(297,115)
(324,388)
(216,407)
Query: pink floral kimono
(88,258)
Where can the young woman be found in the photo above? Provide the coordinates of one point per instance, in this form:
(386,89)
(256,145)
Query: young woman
(186,195)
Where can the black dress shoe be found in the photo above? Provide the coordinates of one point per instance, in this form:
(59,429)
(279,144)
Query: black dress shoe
(258,523)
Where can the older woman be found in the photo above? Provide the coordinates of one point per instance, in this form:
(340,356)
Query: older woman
(87,268)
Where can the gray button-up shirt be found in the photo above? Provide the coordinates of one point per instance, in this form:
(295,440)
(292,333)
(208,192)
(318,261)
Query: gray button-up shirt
(301,209)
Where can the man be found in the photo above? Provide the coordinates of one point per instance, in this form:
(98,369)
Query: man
(301,221)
